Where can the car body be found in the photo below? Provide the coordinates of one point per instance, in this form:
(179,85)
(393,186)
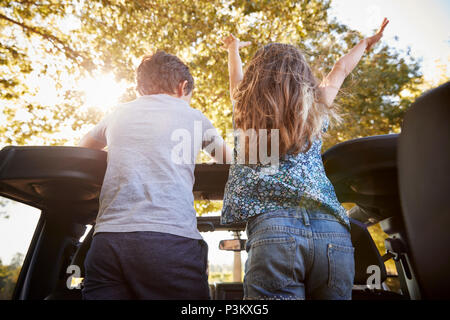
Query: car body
(65,183)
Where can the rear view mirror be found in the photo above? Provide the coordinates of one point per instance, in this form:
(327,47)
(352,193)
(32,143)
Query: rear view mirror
(232,245)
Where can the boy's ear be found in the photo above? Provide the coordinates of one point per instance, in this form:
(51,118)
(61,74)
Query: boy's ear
(182,88)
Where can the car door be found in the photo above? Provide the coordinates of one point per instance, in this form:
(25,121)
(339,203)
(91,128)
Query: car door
(19,225)
(50,194)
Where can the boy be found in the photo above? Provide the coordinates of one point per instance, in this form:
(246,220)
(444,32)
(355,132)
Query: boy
(146,244)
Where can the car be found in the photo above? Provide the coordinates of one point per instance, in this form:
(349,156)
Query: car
(398,180)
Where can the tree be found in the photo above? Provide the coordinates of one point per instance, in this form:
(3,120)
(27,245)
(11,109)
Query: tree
(9,275)
(111,36)
(3,203)
(33,48)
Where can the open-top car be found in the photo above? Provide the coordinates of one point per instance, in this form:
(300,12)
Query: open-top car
(400,181)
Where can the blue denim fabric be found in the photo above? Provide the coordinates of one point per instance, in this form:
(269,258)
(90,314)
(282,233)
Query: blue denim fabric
(298,253)
(145,265)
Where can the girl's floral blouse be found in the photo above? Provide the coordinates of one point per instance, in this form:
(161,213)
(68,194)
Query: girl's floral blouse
(299,180)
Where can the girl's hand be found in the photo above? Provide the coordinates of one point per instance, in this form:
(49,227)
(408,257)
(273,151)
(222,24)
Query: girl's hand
(333,81)
(233,43)
(375,38)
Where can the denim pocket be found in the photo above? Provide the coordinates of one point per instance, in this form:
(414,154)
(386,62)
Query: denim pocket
(341,269)
(270,263)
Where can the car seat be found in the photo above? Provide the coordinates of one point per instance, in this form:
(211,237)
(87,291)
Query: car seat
(424,179)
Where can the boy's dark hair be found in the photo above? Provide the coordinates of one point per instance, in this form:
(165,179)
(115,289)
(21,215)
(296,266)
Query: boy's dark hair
(162,72)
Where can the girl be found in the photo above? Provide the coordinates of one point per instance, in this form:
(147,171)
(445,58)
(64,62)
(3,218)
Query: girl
(299,242)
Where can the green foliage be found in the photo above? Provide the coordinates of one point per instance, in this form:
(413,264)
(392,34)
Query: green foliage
(3,203)
(220,273)
(378,237)
(111,36)
(8,276)
(205,206)
(220,277)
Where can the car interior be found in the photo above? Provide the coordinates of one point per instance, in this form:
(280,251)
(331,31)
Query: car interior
(397,180)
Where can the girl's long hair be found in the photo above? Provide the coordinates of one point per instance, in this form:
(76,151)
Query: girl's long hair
(279,91)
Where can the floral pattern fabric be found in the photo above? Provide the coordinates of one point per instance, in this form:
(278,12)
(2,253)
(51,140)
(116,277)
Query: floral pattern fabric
(300,180)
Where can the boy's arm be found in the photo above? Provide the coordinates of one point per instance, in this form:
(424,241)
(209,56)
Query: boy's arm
(96,138)
(88,142)
(213,143)
(232,45)
(225,154)
(344,66)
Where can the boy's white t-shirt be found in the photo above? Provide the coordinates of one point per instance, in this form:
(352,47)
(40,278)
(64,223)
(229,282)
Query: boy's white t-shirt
(148,184)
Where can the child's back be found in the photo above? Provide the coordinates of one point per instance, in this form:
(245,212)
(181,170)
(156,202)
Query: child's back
(145,188)
(297,181)
(146,244)
(299,245)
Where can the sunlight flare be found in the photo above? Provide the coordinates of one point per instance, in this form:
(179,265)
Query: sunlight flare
(103,91)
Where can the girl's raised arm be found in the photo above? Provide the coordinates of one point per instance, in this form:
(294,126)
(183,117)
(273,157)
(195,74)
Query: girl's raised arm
(344,66)
(232,45)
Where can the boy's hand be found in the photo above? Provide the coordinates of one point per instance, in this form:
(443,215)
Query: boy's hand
(232,43)
(375,38)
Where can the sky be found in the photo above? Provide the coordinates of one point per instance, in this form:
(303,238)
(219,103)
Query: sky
(424,26)
(16,231)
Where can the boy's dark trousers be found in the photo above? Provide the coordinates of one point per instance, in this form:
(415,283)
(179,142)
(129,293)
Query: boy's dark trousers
(145,265)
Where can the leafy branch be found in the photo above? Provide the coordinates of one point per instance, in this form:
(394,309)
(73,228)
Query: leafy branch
(59,44)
